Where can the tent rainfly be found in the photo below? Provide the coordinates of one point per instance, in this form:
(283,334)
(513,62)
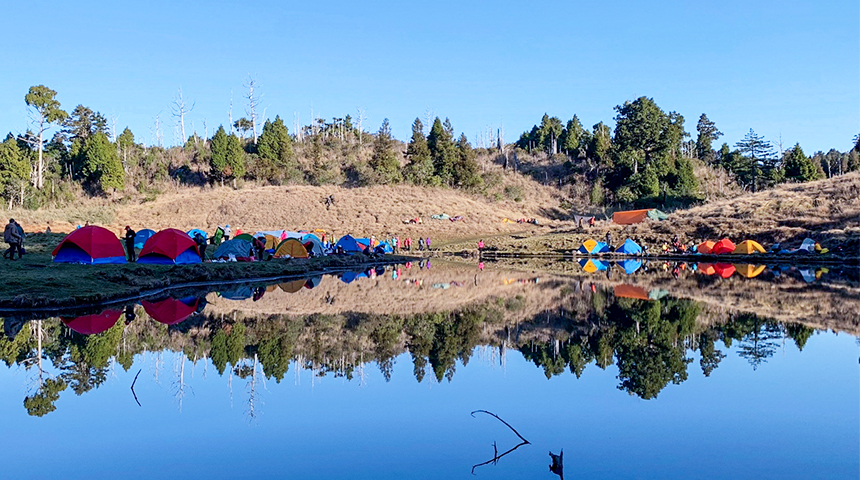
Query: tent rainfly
(630,217)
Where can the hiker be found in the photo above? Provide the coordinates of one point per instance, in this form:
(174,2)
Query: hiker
(10,236)
(22,237)
(427,243)
(218,236)
(481,245)
(226,232)
(259,247)
(420,244)
(201,245)
(129,243)
(591,222)
(609,239)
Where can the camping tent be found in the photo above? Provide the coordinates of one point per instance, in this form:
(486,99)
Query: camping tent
(724,270)
(748,270)
(349,244)
(90,244)
(169,247)
(748,247)
(241,249)
(291,248)
(313,244)
(240,292)
(629,247)
(706,268)
(591,265)
(93,324)
(142,236)
(723,246)
(245,236)
(630,217)
(629,265)
(313,282)
(171,311)
(195,231)
(630,291)
(705,247)
(600,247)
(587,246)
(349,277)
(271,242)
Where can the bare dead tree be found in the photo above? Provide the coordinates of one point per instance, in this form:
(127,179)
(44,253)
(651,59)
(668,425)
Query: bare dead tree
(230,113)
(360,120)
(253,102)
(180,110)
(496,455)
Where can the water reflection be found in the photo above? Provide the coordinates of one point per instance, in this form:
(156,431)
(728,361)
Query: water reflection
(557,324)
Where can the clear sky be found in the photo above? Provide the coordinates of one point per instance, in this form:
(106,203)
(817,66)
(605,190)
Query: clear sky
(787,68)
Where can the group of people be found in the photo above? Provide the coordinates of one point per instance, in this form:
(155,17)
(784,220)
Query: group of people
(14,236)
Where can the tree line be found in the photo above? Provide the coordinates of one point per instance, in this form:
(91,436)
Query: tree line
(648,157)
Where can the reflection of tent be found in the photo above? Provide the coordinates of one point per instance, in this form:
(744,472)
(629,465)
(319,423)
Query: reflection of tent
(807,274)
(242,292)
(706,268)
(168,247)
(724,270)
(723,246)
(142,236)
(630,291)
(293,286)
(93,324)
(240,249)
(291,248)
(171,311)
(630,265)
(629,247)
(349,244)
(592,265)
(705,247)
(349,277)
(749,270)
(749,246)
(195,231)
(657,294)
(635,216)
(90,244)
(313,282)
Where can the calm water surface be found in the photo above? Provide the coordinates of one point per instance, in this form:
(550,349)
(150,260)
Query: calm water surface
(358,381)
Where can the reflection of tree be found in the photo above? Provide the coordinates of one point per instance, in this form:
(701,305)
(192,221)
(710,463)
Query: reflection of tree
(42,402)
(761,341)
(711,357)
(799,333)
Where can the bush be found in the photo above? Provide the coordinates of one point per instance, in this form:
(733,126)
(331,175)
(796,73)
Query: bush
(513,192)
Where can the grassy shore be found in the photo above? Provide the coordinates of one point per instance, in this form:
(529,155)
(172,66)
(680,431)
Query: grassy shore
(35,281)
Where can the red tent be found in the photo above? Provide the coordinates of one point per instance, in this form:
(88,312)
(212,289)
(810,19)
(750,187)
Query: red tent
(170,246)
(723,246)
(170,311)
(93,324)
(724,270)
(90,244)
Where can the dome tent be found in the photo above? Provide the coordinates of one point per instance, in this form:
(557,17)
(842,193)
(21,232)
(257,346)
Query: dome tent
(142,236)
(91,245)
(169,247)
(240,249)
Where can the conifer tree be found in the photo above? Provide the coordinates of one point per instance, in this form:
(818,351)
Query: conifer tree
(218,160)
(419,170)
(384,161)
(799,167)
(466,170)
(101,163)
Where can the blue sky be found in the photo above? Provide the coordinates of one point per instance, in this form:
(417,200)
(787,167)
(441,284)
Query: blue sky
(789,68)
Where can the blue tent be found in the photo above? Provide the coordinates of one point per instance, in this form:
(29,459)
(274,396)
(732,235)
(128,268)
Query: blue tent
(313,244)
(629,247)
(592,265)
(349,277)
(349,245)
(142,236)
(195,231)
(630,265)
(242,292)
(239,248)
(601,247)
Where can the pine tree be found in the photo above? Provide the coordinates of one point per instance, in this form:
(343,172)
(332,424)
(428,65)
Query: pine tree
(799,167)
(571,141)
(101,163)
(441,146)
(466,172)
(419,170)
(759,154)
(708,133)
(275,148)
(235,158)
(384,161)
(218,160)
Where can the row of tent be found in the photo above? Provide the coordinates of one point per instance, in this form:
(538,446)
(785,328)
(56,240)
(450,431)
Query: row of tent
(724,246)
(169,311)
(590,246)
(97,245)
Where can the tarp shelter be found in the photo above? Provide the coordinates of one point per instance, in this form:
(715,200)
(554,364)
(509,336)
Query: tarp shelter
(313,244)
(291,248)
(169,247)
(629,247)
(630,217)
(245,236)
(587,246)
(293,286)
(706,268)
(93,324)
(582,219)
(142,236)
(630,265)
(349,244)
(748,247)
(171,311)
(723,246)
(91,245)
(592,265)
(724,270)
(630,291)
(705,247)
(241,249)
(194,231)
(748,270)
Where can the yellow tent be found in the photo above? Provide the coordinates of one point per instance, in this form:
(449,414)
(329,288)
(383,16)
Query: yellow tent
(291,248)
(749,246)
(749,270)
(588,245)
(590,266)
(272,242)
(294,286)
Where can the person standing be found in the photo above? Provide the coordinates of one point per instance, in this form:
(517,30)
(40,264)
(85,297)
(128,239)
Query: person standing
(420,244)
(201,245)
(427,243)
(10,236)
(227,233)
(21,237)
(129,243)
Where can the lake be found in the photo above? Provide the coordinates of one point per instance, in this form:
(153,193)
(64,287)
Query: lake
(659,372)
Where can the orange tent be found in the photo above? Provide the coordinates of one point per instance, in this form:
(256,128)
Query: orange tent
(749,246)
(748,270)
(705,247)
(630,291)
(724,270)
(706,268)
(630,216)
(294,286)
(723,246)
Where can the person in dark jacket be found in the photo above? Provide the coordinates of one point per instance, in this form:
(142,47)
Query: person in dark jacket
(129,243)
(13,238)
(201,245)
(21,237)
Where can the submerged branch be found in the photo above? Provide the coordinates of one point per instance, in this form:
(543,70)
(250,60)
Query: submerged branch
(496,456)
(506,423)
(132,389)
